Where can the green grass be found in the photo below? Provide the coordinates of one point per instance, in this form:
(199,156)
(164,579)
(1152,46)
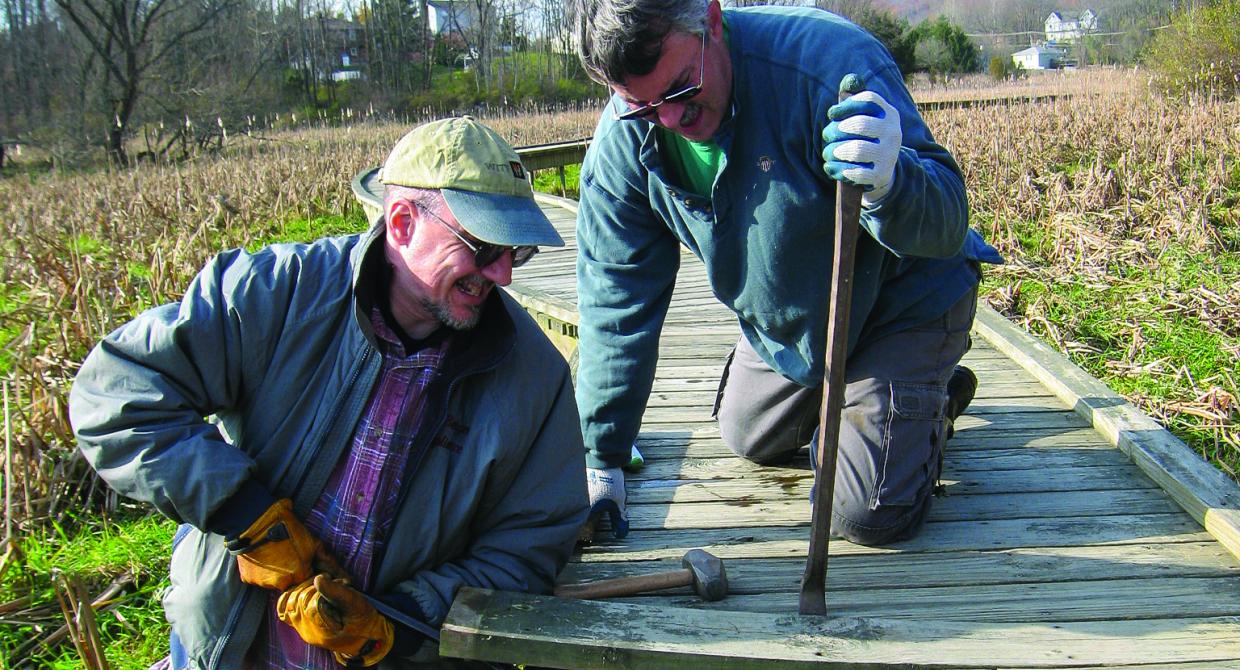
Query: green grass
(11,301)
(1107,318)
(309,229)
(548,181)
(133,631)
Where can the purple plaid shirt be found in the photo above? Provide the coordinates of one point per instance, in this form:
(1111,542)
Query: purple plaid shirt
(354,516)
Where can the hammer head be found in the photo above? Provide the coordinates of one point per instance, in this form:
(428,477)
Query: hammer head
(710,581)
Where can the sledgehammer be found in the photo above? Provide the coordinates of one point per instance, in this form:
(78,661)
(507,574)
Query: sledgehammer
(702,570)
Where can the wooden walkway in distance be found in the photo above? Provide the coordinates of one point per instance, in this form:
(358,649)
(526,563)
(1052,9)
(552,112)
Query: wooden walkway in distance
(1051,547)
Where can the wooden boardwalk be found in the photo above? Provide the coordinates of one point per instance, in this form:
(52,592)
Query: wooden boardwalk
(1050,548)
(1073,531)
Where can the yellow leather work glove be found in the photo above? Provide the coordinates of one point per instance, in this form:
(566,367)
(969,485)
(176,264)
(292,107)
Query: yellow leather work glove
(329,614)
(277,551)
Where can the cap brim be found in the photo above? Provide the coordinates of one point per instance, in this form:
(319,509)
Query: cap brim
(506,220)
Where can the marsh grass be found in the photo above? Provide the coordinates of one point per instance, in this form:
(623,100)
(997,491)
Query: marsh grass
(1119,213)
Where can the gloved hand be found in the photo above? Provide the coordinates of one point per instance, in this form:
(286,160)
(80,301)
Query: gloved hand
(863,144)
(278,551)
(327,613)
(606,487)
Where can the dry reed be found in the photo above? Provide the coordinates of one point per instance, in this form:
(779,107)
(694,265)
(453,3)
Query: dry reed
(1108,191)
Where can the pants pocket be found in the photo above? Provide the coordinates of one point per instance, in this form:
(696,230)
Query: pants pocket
(723,382)
(910,443)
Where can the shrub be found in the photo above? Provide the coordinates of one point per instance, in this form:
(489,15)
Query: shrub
(1200,52)
(943,48)
(1002,68)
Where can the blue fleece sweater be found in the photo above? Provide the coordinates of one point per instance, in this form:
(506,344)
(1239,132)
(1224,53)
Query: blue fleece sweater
(765,235)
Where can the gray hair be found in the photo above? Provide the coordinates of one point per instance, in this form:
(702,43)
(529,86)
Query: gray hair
(619,38)
(427,198)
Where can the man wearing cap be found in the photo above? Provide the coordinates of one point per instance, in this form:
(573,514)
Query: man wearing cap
(385,425)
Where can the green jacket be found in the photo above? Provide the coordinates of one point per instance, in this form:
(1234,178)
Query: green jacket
(276,348)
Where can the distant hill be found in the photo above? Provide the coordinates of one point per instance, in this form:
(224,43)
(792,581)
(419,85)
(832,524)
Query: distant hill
(913,10)
(1014,15)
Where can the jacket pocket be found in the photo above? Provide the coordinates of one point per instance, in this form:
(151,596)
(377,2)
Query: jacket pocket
(910,439)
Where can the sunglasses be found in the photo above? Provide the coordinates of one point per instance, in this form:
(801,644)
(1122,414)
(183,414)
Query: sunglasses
(687,93)
(486,253)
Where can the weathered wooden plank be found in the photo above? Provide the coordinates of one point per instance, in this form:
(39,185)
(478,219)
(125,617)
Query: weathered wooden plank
(1207,494)
(982,404)
(945,536)
(718,346)
(1075,601)
(684,394)
(665,418)
(1191,665)
(709,384)
(787,484)
(973,443)
(708,366)
(668,465)
(674,444)
(497,626)
(959,569)
(767,512)
(677,344)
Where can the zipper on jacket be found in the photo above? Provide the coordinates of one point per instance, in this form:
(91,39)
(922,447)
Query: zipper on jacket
(234,615)
(309,495)
(318,441)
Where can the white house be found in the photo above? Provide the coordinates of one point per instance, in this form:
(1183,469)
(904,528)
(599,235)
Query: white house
(1064,27)
(1037,58)
(452,16)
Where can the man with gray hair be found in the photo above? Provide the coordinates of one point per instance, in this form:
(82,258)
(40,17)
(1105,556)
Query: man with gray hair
(387,425)
(725,134)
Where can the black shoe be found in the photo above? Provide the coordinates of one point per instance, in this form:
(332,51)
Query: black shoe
(960,390)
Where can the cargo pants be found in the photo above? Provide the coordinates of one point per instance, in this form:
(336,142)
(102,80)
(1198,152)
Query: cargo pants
(892,428)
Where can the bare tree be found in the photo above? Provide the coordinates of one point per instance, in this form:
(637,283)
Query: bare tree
(128,39)
(32,64)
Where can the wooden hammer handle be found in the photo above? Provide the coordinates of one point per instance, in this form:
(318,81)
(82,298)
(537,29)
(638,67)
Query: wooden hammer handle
(626,586)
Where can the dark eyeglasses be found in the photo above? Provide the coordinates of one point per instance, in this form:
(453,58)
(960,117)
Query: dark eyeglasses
(486,253)
(688,93)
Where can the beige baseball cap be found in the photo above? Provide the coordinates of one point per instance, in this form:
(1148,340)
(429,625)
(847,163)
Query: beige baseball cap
(481,177)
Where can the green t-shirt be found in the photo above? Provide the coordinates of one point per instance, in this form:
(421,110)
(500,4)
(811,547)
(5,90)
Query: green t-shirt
(695,163)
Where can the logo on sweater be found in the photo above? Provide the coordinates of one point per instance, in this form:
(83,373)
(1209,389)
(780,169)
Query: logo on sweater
(765,163)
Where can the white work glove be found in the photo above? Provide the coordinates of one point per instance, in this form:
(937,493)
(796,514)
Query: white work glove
(606,487)
(863,144)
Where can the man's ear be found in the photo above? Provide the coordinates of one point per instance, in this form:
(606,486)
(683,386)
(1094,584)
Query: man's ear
(400,222)
(714,20)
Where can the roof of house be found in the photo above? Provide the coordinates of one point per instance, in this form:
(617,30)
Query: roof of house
(1038,49)
(1071,16)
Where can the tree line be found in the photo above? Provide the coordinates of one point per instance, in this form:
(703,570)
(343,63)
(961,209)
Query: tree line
(165,77)
(168,78)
